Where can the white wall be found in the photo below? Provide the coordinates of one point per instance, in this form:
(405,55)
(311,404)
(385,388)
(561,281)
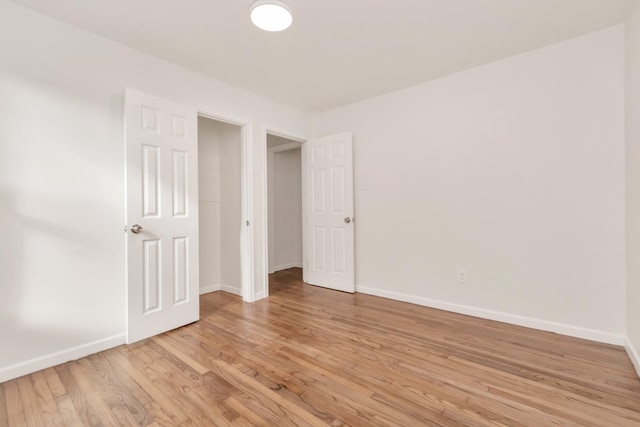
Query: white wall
(209,204)
(515,170)
(633,182)
(287,212)
(62,262)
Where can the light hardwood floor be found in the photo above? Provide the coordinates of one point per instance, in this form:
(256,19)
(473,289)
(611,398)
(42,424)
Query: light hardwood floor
(311,356)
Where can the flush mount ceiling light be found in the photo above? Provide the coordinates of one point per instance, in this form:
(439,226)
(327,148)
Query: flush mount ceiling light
(271,15)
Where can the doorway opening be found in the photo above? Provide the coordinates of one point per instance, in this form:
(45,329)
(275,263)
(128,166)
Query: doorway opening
(220,195)
(285,204)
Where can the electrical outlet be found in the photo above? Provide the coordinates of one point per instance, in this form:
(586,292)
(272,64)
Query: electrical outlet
(463,275)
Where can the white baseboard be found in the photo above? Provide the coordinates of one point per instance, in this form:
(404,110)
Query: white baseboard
(231,289)
(53,359)
(634,355)
(210,288)
(219,287)
(261,295)
(286,266)
(529,322)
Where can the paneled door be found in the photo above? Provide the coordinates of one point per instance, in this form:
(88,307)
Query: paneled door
(161,159)
(329,212)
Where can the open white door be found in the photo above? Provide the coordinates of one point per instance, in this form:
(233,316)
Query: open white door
(161,158)
(329,212)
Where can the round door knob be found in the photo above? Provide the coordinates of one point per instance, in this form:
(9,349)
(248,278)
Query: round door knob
(136,228)
(347,220)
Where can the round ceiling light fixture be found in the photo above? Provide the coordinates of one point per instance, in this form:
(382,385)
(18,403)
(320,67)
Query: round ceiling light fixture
(271,15)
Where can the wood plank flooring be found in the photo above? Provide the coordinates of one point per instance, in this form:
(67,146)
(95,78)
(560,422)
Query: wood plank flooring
(310,356)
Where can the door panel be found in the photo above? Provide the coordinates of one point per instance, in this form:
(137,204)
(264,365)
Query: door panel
(150,180)
(161,185)
(181,269)
(151,278)
(180,181)
(329,218)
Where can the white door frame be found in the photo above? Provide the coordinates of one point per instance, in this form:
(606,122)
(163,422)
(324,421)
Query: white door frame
(246,184)
(262,275)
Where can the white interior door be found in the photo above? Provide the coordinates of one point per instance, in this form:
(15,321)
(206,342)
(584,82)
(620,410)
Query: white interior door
(329,210)
(162,215)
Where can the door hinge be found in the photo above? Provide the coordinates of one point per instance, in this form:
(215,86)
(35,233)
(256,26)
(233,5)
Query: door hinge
(247,223)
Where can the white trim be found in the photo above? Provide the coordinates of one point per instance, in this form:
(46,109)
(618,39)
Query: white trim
(286,266)
(529,322)
(261,295)
(305,238)
(284,147)
(222,118)
(262,275)
(295,138)
(231,289)
(248,288)
(633,353)
(57,358)
(271,227)
(210,288)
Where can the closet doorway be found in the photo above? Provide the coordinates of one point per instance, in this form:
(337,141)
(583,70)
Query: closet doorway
(284,191)
(220,205)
